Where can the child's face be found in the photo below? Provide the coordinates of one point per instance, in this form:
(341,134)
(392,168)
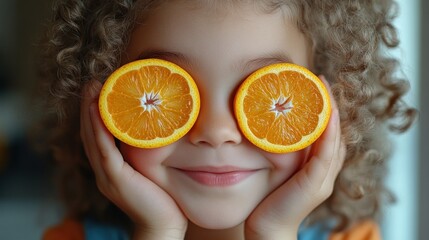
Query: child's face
(215,175)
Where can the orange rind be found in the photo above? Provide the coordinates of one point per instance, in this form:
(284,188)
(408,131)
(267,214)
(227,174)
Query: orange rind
(149,103)
(282,108)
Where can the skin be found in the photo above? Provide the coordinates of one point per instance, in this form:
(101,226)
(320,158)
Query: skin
(219,51)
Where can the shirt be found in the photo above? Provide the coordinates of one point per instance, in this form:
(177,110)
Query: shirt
(89,229)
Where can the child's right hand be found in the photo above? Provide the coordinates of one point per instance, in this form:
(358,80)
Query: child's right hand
(154,212)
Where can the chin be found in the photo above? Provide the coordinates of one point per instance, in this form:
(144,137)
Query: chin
(218,215)
(217,222)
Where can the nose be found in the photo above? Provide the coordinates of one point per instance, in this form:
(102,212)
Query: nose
(215,126)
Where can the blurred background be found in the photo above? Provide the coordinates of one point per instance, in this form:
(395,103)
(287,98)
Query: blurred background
(27,198)
(27,195)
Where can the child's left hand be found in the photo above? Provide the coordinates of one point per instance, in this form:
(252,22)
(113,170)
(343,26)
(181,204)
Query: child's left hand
(281,213)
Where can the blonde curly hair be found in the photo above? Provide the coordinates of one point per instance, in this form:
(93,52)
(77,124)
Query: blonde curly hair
(349,38)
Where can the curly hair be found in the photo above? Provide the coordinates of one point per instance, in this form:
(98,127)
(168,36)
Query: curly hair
(349,40)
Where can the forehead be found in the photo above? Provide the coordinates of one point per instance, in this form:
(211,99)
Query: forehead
(218,8)
(219,30)
(232,5)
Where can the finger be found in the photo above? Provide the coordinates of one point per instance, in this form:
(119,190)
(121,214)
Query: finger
(89,95)
(110,157)
(328,152)
(332,157)
(311,149)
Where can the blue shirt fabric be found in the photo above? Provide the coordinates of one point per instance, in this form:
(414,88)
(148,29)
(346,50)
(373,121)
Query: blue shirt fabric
(314,232)
(97,231)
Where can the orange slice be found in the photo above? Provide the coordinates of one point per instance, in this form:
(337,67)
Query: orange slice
(282,108)
(149,103)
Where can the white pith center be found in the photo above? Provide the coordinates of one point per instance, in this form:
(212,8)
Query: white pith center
(150,101)
(281,106)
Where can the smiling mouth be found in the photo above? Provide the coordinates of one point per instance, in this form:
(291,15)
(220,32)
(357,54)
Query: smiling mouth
(216,177)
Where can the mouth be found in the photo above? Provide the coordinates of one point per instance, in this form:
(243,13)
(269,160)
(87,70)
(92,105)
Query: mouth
(217,176)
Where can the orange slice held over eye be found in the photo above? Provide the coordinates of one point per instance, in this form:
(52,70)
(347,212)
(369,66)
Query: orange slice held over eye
(149,103)
(152,103)
(282,108)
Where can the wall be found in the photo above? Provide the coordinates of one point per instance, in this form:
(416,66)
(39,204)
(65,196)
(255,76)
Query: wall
(401,219)
(423,213)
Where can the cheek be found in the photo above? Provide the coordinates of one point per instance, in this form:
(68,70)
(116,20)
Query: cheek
(145,161)
(286,165)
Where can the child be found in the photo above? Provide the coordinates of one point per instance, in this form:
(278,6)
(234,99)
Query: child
(331,190)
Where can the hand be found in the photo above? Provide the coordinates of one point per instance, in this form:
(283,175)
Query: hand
(281,213)
(153,211)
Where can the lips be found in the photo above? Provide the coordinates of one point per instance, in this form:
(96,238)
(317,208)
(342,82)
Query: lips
(217,176)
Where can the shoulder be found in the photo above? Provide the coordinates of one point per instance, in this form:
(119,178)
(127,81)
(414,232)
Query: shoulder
(88,229)
(365,230)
